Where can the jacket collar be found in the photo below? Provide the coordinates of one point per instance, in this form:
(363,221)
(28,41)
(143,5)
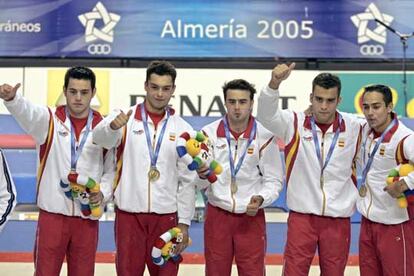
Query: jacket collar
(61,115)
(307,123)
(222,133)
(389,134)
(138,112)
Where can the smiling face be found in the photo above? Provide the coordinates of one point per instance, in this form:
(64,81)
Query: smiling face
(159,92)
(324,103)
(79,94)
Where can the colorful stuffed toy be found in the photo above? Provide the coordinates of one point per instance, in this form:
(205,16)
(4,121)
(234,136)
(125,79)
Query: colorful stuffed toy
(163,249)
(192,148)
(403,170)
(79,187)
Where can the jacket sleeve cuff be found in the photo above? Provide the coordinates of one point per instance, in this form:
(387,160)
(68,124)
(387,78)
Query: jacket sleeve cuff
(184,221)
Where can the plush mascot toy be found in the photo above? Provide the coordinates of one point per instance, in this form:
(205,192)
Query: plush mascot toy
(163,249)
(192,148)
(402,170)
(79,187)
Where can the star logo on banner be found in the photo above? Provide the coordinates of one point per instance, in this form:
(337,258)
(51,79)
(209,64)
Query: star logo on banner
(361,21)
(109,19)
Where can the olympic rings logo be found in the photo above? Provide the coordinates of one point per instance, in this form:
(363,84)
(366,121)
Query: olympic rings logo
(99,49)
(371,50)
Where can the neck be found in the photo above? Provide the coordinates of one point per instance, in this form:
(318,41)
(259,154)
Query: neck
(238,127)
(80,115)
(381,129)
(153,110)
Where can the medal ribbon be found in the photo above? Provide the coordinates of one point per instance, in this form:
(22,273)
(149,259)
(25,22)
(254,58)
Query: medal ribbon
(372,154)
(75,152)
(153,154)
(318,148)
(233,170)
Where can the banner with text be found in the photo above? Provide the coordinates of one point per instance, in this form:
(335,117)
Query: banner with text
(204,29)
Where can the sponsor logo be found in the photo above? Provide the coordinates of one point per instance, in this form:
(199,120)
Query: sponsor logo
(172,136)
(223,146)
(94,34)
(365,34)
(63,133)
(382,150)
(138,132)
(307,138)
(250,151)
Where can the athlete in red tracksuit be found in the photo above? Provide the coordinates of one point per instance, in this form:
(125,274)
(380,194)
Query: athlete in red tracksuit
(321,187)
(252,176)
(154,189)
(386,244)
(64,146)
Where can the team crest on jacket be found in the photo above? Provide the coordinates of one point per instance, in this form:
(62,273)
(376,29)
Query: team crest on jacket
(172,136)
(382,150)
(250,150)
(341,143)
(138,132)
(63,133)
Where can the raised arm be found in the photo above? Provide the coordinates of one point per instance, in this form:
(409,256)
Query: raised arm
(108,133)
(268,112)
(34,119)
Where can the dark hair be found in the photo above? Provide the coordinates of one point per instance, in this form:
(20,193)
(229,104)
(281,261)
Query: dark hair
(240,85)
(161,68)
(383,89)
(80,73)
(327,80)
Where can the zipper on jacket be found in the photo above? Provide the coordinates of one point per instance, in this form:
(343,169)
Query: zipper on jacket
(232,195)
(322,178)
(149,182)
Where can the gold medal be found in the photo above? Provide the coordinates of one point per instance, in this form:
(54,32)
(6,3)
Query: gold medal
(153,174)
(363,190)
(233,186)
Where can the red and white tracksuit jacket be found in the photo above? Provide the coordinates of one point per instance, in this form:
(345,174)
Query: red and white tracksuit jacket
(260,174)
(7,192)
(174,191)
(52,132)
(397,147)
(332,194)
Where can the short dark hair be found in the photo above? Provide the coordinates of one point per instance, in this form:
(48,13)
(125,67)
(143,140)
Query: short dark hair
(327,80)
(380,88)
(161,68)
(239,84)
(80,73)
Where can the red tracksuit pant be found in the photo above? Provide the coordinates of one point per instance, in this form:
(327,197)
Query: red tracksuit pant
(58,236)
(239,236)
(135,235)
(306,233)
(386,250)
